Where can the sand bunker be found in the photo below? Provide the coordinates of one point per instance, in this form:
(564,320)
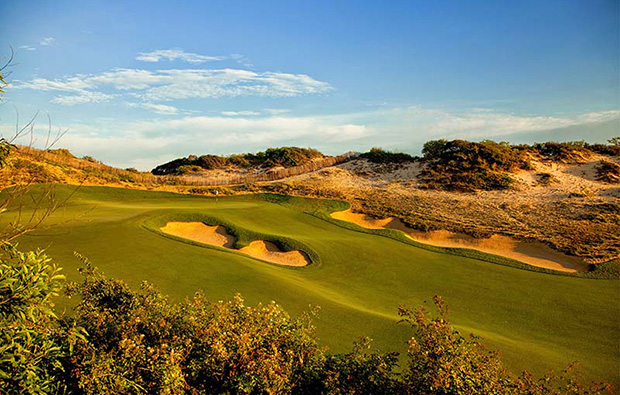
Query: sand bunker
(268,251)
(217,236)
(532,253)
(202,233)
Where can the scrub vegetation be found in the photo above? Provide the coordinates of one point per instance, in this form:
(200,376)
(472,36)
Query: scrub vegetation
(379,155)
(283,156)
(118,340)
(467,166)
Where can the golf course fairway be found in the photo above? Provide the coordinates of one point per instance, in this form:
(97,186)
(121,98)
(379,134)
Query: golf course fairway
(539,321)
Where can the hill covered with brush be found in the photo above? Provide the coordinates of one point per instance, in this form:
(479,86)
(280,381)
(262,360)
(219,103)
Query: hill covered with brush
(487,165)
(271,157)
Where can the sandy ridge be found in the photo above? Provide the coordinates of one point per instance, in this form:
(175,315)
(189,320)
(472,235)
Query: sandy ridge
(217,236)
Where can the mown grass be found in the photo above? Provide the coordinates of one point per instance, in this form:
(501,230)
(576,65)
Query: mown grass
(538,321)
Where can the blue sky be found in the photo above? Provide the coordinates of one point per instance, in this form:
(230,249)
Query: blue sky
(139,83)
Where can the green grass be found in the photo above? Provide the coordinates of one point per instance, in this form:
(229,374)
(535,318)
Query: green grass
(538,320)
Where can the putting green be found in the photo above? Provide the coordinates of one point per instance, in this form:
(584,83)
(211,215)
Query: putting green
(538,321)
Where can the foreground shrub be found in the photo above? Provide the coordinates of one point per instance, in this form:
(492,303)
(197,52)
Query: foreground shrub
(122,341)
(33,343)
(442,361)
(355,373)
(139,341)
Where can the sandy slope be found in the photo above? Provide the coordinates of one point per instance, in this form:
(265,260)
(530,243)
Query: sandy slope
(532,253)
(217,236)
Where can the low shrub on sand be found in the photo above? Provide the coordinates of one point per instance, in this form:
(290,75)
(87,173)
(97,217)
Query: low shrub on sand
(608,172)
(468,166)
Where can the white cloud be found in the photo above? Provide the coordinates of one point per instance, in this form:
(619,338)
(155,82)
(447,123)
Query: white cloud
(277,111)
(78,86)
(72,84)
(27,47)
(174,54)
(473,124)
(488,123)
(158,108)
(47,41)
(227,131)
(190,57)
(82,97)
(127,79)
(242,60)
(164,85)
(239,113)
(185,84)
(602,116)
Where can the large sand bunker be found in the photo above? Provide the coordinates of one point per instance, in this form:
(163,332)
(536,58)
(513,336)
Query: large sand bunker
(532,253)
(217,236)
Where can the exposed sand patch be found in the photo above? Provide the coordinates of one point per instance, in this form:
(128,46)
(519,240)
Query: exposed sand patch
(268,251)
(202,233)
(217,236)
(363,220)
(532,253)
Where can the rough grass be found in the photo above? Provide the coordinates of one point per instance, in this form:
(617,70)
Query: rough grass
(539,321)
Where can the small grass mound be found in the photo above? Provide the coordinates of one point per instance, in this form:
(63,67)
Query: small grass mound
(567,152)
